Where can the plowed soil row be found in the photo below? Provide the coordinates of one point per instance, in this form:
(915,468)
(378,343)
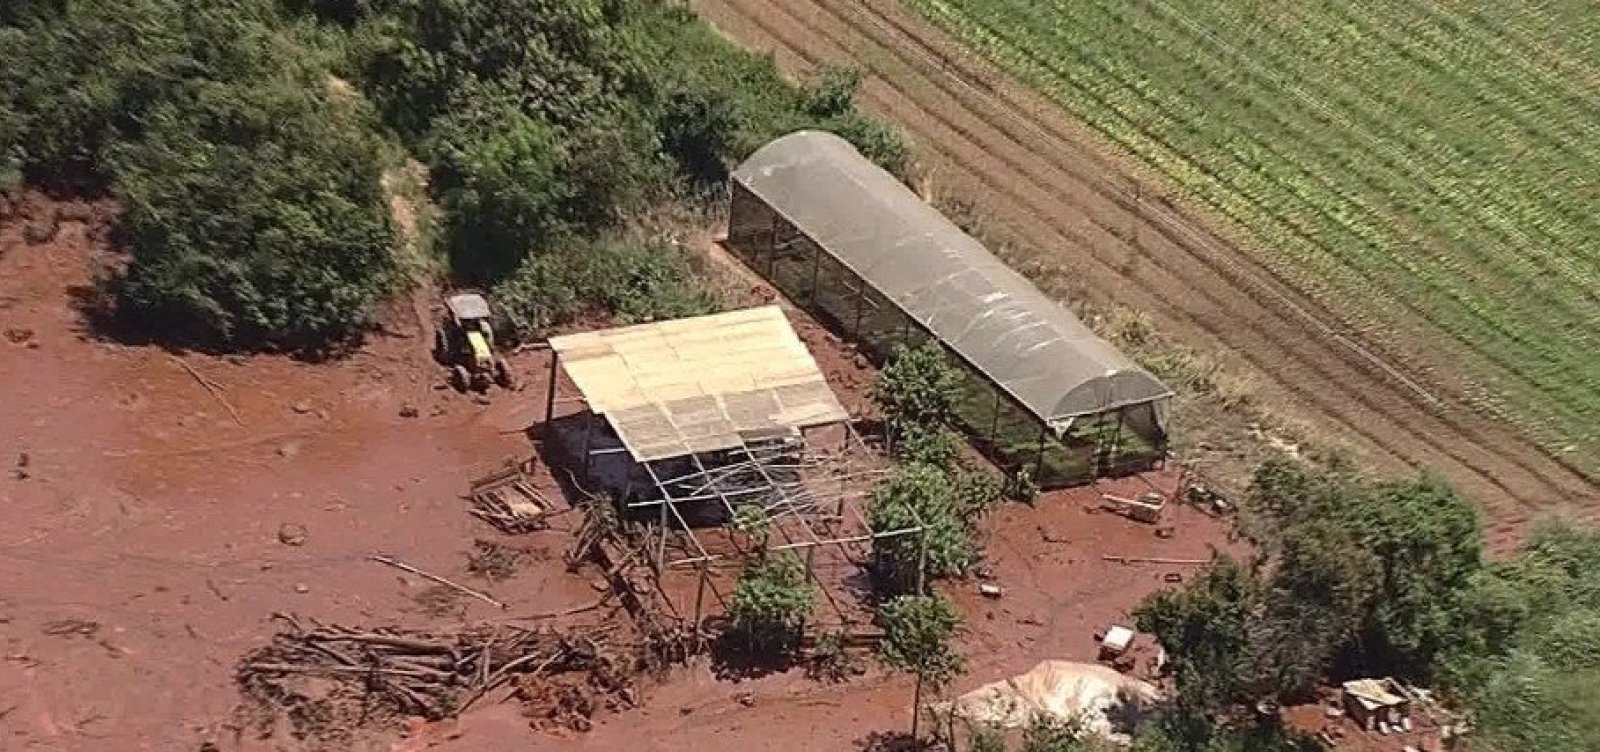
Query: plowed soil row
(1048,182)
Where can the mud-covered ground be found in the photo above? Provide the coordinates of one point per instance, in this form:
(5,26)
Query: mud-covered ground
(153,525)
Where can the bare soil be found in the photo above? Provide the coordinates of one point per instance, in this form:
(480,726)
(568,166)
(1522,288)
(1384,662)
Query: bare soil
(1097,228)
(168,533)
(150,536)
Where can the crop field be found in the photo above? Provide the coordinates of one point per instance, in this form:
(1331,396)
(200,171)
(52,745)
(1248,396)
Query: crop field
(1425,168)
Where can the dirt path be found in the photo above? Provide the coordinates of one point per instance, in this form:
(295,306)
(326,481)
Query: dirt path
(1040,176)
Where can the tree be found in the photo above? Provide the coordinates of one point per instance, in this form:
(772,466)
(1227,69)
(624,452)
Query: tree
(1530,671)
(915,496)
(1391,558)
(771,603)
(1317,601)
(917,635)
(255,216)
(918,388)
(1205,629)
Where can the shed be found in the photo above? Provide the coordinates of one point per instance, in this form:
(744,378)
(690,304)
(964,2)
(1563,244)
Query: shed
(1376,704)
(846,239)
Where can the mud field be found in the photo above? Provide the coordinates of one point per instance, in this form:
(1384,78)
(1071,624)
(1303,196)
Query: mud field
(161,507)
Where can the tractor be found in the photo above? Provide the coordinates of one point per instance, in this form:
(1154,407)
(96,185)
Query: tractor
(464,341)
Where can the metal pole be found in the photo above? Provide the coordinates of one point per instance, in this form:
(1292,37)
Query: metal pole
(588,430)
(550,395)
(922,561)
(816,270)
(699,598)
(661,548)
(1038,462)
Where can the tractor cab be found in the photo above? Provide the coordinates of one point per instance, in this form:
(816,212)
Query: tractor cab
(465,343)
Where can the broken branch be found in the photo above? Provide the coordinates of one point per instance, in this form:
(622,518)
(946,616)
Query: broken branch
(436,578)
(211,388)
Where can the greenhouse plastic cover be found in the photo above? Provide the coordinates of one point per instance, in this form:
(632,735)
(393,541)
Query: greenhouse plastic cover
(912,254)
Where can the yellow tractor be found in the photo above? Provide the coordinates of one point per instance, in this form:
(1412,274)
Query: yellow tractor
(465,342)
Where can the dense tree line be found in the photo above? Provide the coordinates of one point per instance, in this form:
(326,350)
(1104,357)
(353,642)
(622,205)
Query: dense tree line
(245,140)
(548,124)
(253,211)
(1366,578)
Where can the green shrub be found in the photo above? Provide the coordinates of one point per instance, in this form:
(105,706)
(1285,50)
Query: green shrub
(918,495)
(635,281)
(771,603)
(918,388)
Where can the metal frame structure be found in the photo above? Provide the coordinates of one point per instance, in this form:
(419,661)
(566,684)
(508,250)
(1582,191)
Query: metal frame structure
(856,248)
(811,498)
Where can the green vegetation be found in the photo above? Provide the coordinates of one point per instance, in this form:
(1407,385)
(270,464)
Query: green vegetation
(917,388)
(1360,578)
(1531,670)
(1413,165)
(246,141)
(771,603)
(930,488)
(917,634)
(251,195)
(914,495)
(1365,578)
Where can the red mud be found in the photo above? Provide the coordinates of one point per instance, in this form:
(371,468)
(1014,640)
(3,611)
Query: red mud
(142,556)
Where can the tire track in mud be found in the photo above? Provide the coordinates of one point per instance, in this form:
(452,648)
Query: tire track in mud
(1040,179)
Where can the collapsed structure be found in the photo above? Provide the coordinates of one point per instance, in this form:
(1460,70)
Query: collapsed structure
(863,253)
(722,432)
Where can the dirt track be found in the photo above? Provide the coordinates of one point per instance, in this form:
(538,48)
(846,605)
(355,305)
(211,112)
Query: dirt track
(1042,177)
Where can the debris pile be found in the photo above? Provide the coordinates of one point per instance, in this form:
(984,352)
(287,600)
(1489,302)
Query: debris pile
(507,499)
(327,679)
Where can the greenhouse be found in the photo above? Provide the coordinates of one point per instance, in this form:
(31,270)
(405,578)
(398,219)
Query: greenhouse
(864,254)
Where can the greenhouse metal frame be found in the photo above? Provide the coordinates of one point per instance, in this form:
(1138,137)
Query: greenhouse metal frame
(861,252)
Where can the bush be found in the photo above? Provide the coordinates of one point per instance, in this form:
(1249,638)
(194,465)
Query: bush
(1049,733)
(1206,630)
(771,603)
(918,388)
(253,210)
(635,281)
(831,660)
(1531,672)
(918,495)
(497,175)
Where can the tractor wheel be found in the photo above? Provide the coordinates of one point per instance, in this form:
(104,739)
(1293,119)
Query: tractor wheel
(441,347)
(502,373)
(459,378)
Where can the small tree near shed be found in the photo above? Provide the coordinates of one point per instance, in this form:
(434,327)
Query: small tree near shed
(770,605)
(917,632)
(917,390)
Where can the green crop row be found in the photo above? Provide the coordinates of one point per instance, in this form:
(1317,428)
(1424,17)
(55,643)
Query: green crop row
(1426,169)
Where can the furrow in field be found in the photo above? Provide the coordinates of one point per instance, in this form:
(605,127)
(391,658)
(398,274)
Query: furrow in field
(1039,176)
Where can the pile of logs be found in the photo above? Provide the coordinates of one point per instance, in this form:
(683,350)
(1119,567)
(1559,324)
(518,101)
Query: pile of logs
(331,672)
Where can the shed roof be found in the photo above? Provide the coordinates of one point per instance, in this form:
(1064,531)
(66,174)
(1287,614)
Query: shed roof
(991,316)
(701,384)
